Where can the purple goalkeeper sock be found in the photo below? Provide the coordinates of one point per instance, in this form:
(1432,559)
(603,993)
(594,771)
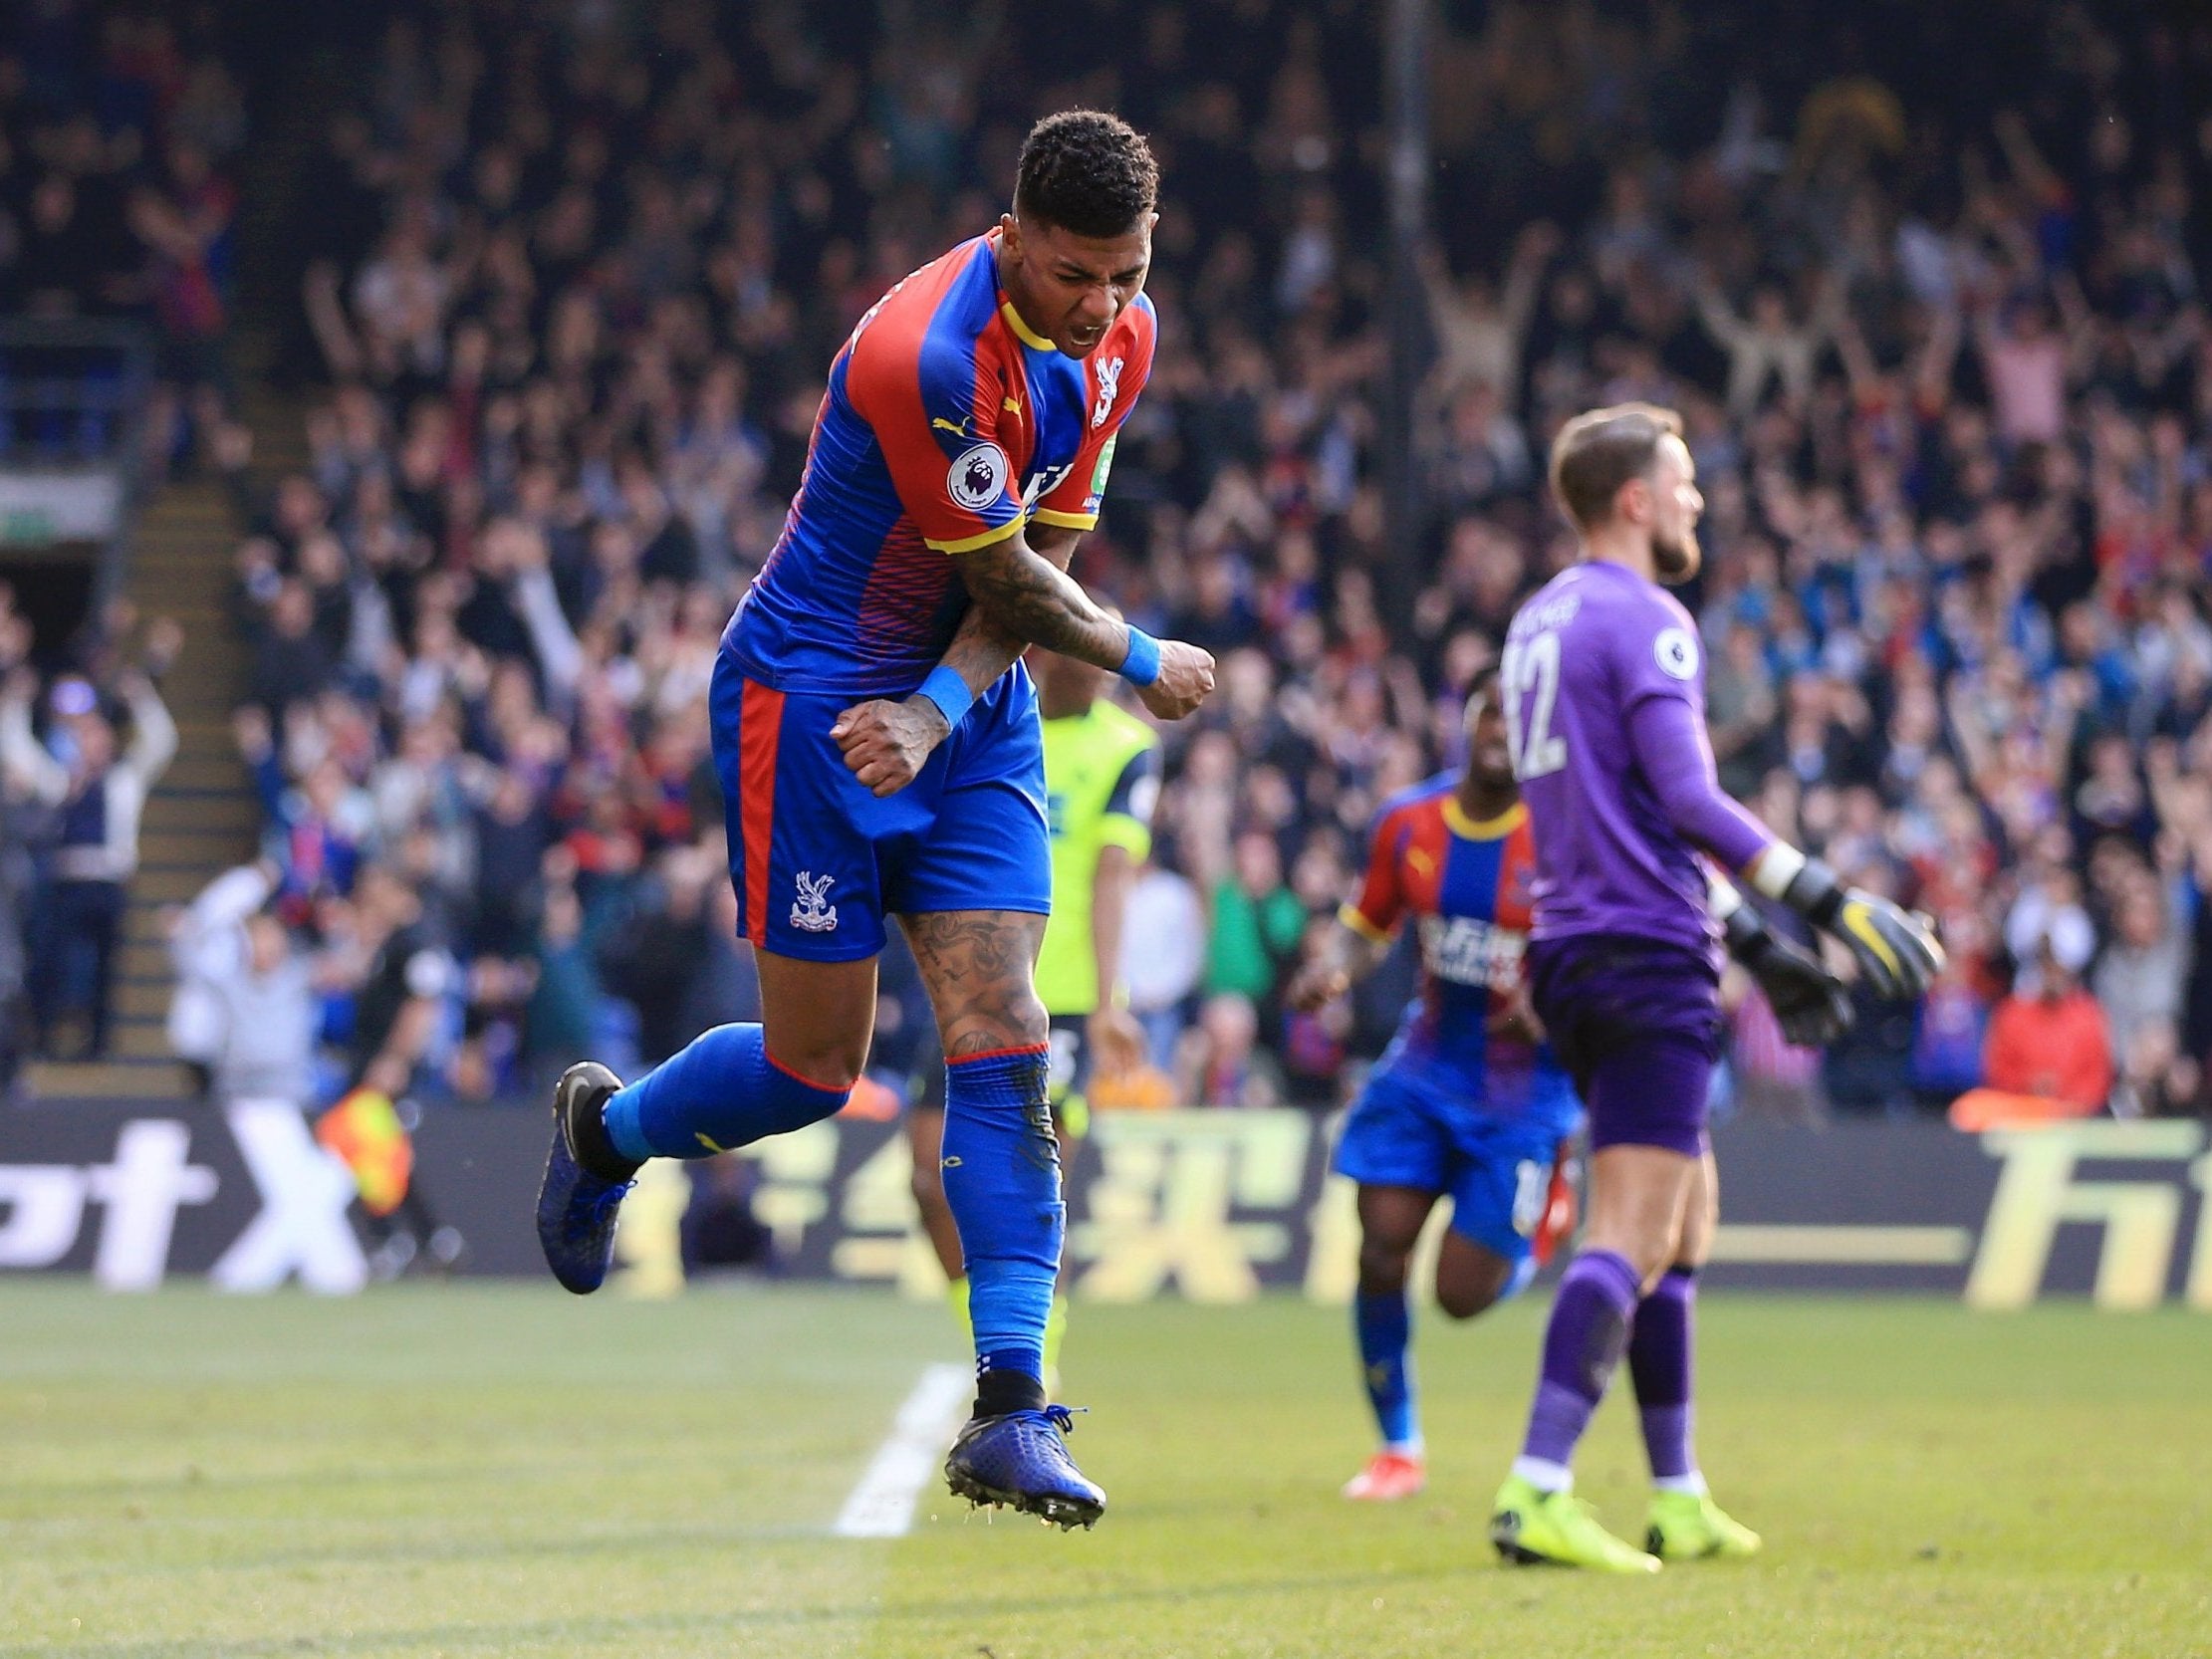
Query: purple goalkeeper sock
(1659,1359)
(1582,1346)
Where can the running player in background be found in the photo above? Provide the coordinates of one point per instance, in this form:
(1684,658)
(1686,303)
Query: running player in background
(1469,1099)
(877,742)
(1101,779)
(1604,688)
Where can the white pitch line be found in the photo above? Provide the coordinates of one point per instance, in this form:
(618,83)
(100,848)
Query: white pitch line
(882,1504)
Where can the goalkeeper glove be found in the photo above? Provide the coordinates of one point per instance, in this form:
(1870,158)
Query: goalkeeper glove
(1896,951)
(1813,1006)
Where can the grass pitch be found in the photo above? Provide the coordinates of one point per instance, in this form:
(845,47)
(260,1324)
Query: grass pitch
(505,1470)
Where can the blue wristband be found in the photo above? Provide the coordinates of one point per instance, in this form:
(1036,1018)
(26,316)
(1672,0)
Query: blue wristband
(1142,665)
(949,692)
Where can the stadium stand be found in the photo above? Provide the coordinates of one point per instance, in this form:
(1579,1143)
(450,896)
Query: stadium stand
(117,131)
(566,287)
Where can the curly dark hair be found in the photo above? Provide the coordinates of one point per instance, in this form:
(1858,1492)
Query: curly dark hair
(1087,172)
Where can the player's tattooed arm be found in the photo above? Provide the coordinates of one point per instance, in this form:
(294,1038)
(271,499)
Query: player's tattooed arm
(985,647)
(1022,596)
(885,743)
(1026,594)
(1029,596)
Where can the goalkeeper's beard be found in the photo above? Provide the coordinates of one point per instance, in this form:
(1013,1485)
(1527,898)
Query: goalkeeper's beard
(1675,558)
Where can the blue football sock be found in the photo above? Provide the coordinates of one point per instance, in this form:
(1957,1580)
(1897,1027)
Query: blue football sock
(1385,1326)
(1002,1180)
(722,1091)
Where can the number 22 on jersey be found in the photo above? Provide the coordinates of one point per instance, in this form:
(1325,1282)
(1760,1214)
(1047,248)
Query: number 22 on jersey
(1529,676)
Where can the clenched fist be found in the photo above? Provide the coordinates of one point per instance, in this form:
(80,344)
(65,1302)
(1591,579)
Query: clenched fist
(1186,680)
(887,743)
(1318,984)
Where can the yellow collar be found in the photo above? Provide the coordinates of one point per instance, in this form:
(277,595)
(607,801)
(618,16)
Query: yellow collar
(1490,829)
(1022,330)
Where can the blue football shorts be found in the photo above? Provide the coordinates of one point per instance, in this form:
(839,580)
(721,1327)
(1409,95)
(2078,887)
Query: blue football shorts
(818,861)
(1502,1174)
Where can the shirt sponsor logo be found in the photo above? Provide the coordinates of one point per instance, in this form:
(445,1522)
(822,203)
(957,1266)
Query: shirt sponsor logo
(810,914)
(977,477)
(1104,466)
(1464,950)
(1675,650)
(1044,483)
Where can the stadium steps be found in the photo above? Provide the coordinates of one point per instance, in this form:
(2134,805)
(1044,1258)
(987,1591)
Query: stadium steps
(133,1038)
(153,1080)
(144,962)
(279,422)
(202,818)
(141,997)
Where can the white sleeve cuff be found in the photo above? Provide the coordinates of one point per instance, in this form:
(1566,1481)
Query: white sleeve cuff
(1775,869)
(1721,896)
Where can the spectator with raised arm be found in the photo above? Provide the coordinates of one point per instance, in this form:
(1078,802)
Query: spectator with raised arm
(245,1010)
(97,796)
(1768,348)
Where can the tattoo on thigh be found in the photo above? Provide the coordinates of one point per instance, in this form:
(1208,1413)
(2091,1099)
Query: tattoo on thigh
(978,967)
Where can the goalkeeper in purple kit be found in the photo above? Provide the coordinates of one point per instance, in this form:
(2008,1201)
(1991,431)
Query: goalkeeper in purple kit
(1603,685)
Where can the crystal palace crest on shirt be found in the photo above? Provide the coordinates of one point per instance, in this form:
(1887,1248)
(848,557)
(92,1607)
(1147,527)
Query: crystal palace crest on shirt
(1110,388)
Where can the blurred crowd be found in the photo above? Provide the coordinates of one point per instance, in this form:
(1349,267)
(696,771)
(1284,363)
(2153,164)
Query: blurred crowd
(120,132)
(1927,296)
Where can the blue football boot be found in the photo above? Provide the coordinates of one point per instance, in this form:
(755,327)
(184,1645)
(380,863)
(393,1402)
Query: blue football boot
(1022,1460)
(586,1179)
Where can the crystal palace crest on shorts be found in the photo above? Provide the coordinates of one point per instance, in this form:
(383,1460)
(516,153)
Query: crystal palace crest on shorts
(810,914)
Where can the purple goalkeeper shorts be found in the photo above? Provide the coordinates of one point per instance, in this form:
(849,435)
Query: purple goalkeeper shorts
(1636,1025)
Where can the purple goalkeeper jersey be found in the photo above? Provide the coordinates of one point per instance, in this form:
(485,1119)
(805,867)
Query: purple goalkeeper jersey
(1604,684)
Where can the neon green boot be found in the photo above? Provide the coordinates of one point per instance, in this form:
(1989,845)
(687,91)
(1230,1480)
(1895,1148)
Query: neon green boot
(1556,1529)
(1690,1527)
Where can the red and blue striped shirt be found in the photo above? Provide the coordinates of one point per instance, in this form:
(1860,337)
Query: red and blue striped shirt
(947,426)
(1465,884)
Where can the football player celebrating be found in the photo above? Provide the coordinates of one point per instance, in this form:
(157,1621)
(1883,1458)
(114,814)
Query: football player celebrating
(878,744)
